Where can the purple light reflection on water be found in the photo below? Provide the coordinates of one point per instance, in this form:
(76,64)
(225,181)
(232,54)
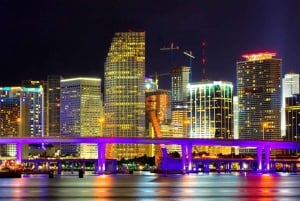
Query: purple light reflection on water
(154,187)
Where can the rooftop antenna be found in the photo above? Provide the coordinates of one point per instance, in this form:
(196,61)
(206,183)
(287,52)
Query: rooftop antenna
(203,60)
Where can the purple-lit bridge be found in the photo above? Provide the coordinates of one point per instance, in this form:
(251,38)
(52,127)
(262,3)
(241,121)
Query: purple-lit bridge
(185,143)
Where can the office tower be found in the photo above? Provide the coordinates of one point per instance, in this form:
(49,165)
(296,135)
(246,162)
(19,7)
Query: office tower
(211,112)
(53,105)
(80,113)
(211,109)
(124,92)
(34,93)
(259,96)
(21,110)
(157,107)
(180,79)
(290,86)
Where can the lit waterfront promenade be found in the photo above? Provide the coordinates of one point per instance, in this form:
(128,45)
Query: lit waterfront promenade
(185,143)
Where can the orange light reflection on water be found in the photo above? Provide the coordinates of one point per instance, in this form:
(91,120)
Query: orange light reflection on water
(101,185)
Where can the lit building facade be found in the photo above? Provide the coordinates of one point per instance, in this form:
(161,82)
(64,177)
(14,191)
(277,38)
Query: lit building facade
(180,78)
(158,102)
(211,112)
(259,96)
(290,87)
(53,105)
(292,111)
(80,113)
(22,114)
(211,109)
(124,92)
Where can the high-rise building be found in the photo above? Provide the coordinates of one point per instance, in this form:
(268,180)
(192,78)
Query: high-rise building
(211,112)
(290,87)
(53,105)
(292,111)
(124,92)
(34,93)
(80,113)
(157,103)
(259,96)
(180,79)
(211,109)
(22,114)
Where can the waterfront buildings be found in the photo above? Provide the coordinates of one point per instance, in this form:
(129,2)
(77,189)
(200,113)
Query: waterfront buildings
(211,111)
(21,114)
(52,112)
(292,111)
(290,87)
(259,96)
(124,92)
(80,113)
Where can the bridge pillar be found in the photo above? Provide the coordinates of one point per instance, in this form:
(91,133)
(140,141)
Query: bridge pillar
(259,158)
(101,157)
(190,156)
(267,159)
(19,147)
(183,157)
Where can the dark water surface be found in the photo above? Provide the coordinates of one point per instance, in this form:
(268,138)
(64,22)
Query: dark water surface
(153,187)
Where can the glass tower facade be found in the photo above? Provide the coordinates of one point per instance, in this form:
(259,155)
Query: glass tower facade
(211,109)
(259,96)
(53,105)
(290,87)
(80,112)
(21,114)
(124,95)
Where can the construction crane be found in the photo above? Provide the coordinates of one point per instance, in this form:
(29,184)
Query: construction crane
(191,57)
(171,48)
(156,75)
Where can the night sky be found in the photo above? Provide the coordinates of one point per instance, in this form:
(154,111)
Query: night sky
(72,38)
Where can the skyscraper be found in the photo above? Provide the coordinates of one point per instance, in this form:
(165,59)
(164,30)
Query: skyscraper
(259,96)
(124,95)
(211,113)
(290,87)
(22,114)
(53,105)
(211,109)
(180,80)
(80,113)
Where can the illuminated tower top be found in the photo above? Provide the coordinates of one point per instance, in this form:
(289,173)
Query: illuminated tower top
(259,56)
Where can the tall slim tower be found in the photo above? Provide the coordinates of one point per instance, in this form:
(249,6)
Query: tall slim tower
(259,96)
(124,95)
(80,113)
(53,105)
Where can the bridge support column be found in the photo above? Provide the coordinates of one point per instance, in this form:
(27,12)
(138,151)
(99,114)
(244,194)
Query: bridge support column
(19,147)
(190,156)
(183,157)
(259,159)
(267,159)
(101,158)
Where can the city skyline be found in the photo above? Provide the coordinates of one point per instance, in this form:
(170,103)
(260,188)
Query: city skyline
(72,39)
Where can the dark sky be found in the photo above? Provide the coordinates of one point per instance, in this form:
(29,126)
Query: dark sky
(71,38)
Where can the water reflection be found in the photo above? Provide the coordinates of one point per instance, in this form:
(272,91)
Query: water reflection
(153,187)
